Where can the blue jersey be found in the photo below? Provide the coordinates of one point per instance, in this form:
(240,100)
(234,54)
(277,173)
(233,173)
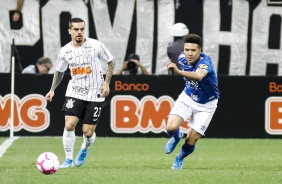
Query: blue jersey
(205,90)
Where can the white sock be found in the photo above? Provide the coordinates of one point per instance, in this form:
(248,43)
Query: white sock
(68,142)
(87,142)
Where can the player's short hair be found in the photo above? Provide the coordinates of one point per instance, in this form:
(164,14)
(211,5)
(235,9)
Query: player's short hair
(75,20)
(193,38)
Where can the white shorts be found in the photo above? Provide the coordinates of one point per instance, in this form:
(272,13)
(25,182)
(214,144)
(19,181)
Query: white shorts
(198,115)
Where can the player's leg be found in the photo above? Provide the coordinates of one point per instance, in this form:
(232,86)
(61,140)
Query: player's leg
(187,148)
(198,124)
(173,131)
(73,108)
(89,137)
(91,118)
(69,140)
(178,114)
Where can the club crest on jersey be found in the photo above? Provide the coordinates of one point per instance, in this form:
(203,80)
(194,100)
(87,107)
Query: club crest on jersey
(203,66)
(86,54)
(69,104)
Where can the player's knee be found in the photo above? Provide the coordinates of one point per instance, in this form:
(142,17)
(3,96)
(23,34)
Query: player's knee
(70,123)
(88,133)
(69,127)
(171,126)
(174,122)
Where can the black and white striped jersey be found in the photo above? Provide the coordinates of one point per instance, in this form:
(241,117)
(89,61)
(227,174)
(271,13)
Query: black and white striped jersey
(85,68)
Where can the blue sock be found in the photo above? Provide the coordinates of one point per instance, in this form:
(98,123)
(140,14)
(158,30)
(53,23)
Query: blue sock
(174,133)
(186,150)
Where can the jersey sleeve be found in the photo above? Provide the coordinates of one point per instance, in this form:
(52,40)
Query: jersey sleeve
(62,63)
(105,54)
(205,63)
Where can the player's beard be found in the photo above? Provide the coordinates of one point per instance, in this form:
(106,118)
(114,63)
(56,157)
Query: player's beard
(79,39)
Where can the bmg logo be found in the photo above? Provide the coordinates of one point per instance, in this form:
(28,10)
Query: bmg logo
(273,115)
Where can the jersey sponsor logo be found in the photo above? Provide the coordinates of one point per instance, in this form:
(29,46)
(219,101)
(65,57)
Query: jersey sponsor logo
(81,70)
(70,103)
(119,86)
(273,115)
(30,113)
(80,90)
(129,115)
(203,66)
(79,65)
(192,85)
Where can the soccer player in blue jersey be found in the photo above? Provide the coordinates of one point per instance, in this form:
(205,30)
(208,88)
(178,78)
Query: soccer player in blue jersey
(197,102)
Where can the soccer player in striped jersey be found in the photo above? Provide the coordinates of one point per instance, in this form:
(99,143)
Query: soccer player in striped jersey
(87,88)
(197,102)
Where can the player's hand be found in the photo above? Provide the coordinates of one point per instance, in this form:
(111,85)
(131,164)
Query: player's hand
(49,96)
(171,65)
(105,90)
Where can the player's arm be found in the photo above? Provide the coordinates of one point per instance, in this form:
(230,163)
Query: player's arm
(110,71)
(198,75)
(105,90)
(57,79)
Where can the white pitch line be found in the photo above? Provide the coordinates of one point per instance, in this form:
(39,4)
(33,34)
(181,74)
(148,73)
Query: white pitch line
(6,144)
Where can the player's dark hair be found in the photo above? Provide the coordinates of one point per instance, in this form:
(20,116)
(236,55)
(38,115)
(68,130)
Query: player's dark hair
(193,38)
(75,20)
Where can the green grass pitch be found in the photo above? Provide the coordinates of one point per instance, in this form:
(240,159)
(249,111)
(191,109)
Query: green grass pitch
(142,160)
